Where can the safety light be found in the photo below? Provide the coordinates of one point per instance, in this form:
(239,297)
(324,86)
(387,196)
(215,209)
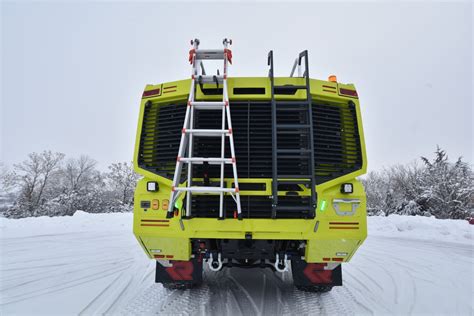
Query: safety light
(178,204)
(347,188)
(155,204)
(165,205)
(152,186)
(323,205)
(332,78)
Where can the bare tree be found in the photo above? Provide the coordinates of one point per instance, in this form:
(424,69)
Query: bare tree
(7,180)
(79,172)
(122,179)
(34,175)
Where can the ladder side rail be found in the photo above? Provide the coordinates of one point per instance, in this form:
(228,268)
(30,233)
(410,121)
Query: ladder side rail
(197,66)
(203,71)
(182,147)
(229,126)
(294,67)
(232,150)
(304,55)
(299,69)
(190,164)
(221,195)
(274,138)
(181,151)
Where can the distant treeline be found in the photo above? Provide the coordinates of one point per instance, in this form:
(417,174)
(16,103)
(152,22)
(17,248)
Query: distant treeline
(435,187)
(47,184)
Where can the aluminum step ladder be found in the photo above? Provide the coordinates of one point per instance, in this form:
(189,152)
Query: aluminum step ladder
(300,155)
(198,76)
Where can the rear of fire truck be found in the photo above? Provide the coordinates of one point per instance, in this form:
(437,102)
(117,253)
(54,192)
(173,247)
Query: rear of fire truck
(250,172)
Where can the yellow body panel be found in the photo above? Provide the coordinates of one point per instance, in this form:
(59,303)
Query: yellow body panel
(329,235)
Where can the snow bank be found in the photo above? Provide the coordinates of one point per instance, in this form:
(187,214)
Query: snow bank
(418,227)
(79,222)
(423,228)
(91,264)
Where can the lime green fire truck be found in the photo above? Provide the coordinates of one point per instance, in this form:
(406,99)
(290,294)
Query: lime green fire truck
(242,172)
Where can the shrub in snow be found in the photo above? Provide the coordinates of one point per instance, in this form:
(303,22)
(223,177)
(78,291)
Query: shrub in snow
(438,187)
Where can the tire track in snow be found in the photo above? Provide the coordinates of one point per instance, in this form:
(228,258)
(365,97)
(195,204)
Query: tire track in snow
(90,308)
(75,282)
(386,276)
(241,295)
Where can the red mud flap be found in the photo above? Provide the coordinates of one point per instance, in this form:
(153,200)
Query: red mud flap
(307,274)
(179,272)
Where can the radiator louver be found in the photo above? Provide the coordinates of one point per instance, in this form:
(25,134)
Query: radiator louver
(336,143)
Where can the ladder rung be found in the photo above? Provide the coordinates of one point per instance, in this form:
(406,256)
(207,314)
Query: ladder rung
(209,160)
(294,208)
(301,103)
(289,132)
(209,79)
(209,54)
(294,181)
(208,105)
(205,189)
(207,132)
(289,87)
(293,151)
(293,126)
(291,108)
(293,176)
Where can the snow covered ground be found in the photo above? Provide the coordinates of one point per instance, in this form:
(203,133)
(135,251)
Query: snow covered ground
(91,264)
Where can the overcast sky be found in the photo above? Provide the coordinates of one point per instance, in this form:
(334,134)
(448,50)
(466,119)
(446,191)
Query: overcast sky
(73,74)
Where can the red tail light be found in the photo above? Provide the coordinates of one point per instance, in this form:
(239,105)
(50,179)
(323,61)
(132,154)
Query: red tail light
(150,93)
(348,92)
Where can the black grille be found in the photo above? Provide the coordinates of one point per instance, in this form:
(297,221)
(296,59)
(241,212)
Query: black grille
(251,126)
(336,144)
(252,206)
(160,136)
(336,141)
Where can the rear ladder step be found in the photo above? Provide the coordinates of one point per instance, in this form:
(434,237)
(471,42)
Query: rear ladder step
(293,151)
(210,79)
(295,181)
(207,132)
(206,189)
(294,126)
(200,160)
(216,54)
(294,208)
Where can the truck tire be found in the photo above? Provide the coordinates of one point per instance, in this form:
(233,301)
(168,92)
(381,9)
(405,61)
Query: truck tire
(314,288)
(180,286)
(179,274)
(314,277)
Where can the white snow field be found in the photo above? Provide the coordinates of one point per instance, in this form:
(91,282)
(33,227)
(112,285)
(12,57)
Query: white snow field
(91,264)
